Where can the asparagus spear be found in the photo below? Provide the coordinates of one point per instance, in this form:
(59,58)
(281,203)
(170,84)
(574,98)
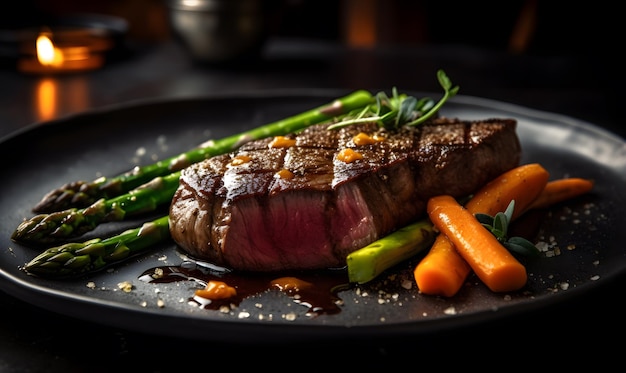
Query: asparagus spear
(55,227)
(80,194)
(74,259)
(367,263)
(364,265)
(59,226)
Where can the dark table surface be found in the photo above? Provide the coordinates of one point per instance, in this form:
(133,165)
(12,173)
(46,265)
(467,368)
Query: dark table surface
(33,339)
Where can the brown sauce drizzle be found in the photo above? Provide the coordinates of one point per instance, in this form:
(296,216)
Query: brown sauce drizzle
(315,289)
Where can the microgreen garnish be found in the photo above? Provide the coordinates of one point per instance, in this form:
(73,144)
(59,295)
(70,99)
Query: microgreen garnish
(498,225)
(399,109)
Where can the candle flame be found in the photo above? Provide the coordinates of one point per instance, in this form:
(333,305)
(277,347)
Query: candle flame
(47,53)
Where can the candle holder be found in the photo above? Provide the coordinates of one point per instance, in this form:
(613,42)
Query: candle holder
(64,51)
(70,44)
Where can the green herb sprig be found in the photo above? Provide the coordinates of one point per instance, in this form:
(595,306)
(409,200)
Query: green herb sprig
(498,225)
(399,109)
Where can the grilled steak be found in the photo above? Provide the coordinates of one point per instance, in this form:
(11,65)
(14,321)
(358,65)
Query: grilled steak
(275,205)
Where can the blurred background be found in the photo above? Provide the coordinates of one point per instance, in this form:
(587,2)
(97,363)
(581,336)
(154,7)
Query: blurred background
(519,26)
(518,50)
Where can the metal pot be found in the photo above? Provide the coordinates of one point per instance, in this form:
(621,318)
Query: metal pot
(218,31)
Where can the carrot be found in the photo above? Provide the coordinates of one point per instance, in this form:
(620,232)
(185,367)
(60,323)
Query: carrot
(522,184)
(443,271)
(560,190)
(496,267)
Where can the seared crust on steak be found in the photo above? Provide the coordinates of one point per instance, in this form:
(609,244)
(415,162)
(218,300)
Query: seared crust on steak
(265,208)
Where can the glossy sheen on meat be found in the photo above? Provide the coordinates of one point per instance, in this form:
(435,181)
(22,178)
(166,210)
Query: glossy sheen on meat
(237,211)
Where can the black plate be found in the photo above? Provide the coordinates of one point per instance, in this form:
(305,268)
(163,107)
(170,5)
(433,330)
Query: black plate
(110,141)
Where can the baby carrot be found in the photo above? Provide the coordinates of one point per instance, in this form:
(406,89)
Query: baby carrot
(522,184)
(560,190)
(443,271)
(496,267)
